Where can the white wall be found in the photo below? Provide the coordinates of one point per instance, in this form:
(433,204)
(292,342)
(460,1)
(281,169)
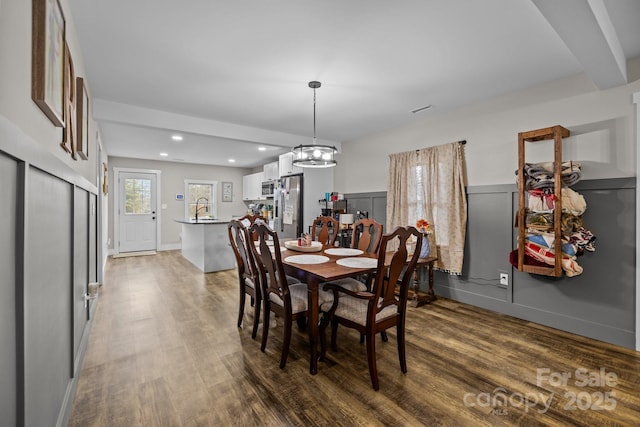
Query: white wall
(173,176)
(602,124)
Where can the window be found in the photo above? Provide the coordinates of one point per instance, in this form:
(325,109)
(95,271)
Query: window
(200,195)
(429,183)
(137,196)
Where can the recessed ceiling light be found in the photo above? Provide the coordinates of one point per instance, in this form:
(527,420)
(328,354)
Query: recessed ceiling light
(176,137)
(164,154)
(262,148)
(232,160)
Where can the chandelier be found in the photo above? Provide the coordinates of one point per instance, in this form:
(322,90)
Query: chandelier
(314,155)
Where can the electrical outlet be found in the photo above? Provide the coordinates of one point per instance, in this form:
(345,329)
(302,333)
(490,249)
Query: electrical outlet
(504,279)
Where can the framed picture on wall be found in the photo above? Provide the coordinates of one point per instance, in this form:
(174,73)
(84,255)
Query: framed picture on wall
(69,131)
(105,186)
(82,119)
(47,59)
(227,191)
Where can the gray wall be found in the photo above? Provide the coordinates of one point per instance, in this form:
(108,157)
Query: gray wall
(599,303)
(375,203)
(48,255)
(8,364)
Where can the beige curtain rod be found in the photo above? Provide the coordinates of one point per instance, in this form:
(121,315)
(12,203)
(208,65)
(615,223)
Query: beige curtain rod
(462,142)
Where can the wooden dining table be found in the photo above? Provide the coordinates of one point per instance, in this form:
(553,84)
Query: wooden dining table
(313,275)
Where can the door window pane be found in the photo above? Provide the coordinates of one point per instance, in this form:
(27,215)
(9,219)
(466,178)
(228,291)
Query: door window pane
(137,196)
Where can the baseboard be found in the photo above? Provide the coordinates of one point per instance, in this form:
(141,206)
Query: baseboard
(166,247)
(170,247)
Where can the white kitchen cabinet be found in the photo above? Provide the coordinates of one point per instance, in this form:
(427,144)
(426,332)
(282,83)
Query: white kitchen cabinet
(252,186)
(271,171)
(286,166)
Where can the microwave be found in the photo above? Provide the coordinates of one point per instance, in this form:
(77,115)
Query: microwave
(267,188)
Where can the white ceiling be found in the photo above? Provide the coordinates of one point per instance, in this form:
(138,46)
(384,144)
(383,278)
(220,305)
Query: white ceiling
(232,75)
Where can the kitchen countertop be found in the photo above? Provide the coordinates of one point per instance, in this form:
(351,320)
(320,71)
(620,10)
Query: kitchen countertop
(202,221)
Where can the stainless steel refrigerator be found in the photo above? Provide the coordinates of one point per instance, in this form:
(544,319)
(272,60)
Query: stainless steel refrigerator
(288,207)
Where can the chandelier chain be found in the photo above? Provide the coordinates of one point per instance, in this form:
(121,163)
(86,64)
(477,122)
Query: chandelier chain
(314,115)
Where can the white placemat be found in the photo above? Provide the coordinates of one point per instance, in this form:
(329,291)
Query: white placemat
(307,259)
(358,262)
(343,251)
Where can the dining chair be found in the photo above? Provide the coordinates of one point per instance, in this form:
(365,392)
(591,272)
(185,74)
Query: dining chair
(325,230)
(285,299)
(248,273)
(249,219)
(380,309)
(366,236)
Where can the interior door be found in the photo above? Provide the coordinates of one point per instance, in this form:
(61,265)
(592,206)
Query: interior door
(137,211)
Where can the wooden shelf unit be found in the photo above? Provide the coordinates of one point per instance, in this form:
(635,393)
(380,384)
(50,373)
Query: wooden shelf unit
(555,133)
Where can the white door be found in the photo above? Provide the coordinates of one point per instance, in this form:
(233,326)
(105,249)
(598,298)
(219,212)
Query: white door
(137,211)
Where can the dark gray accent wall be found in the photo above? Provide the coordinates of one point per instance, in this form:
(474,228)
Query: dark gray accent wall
(8,326)
(81,268)
(599,303)
(47,297)
(374,203)
(48,253)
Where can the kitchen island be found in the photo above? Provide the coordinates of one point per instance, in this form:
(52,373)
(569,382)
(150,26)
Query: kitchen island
(205,244)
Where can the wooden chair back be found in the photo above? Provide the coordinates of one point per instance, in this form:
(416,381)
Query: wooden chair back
(269,261)
(397,275)
(325,230)
(367,235)
(248,220)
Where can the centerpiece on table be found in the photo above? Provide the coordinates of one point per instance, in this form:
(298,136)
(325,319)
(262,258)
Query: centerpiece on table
(423,226)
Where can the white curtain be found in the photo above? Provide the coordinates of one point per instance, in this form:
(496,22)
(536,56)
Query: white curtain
(429,183)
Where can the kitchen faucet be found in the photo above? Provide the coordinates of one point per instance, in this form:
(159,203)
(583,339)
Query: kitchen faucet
(205,206)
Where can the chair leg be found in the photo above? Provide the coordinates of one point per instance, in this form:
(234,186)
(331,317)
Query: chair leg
(324,322)
(401,347)
(334,335)
(265,324)
(256,317)
(286,340)
(241,310)
(371,359)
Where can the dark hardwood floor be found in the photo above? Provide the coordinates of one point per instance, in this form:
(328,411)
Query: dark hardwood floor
(165,351)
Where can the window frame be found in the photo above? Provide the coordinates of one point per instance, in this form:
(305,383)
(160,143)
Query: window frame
(213,201)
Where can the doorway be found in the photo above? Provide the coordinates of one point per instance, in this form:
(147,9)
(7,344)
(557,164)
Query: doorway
(136,214)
